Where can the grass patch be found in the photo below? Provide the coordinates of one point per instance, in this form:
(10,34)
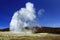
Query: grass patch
(40,36)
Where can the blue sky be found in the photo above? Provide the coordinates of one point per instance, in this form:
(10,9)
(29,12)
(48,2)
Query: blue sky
(51,16)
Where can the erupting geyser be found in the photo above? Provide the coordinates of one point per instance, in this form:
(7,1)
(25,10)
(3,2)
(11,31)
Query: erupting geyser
(22,18)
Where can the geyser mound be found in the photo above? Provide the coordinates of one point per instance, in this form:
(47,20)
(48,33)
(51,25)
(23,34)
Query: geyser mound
(22,18)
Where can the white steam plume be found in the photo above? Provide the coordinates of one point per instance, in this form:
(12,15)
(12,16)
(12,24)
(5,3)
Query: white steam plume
(22,18)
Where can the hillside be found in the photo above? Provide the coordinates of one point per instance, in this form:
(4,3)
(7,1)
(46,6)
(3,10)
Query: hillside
(5,29)
(37,29)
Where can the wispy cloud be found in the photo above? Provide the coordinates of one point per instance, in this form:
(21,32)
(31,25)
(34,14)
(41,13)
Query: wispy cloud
(41,11)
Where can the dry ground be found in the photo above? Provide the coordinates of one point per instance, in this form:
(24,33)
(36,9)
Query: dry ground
(18,36)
